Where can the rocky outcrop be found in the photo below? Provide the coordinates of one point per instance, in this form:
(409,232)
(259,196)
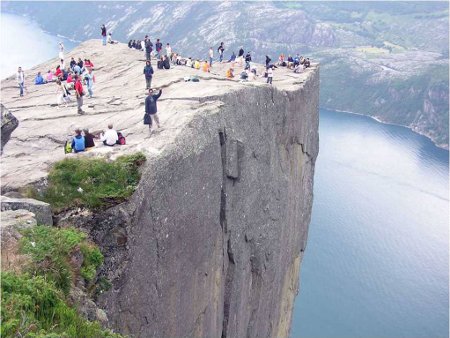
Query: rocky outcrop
(41,210)
(9,123)
(217,228)
(211,241)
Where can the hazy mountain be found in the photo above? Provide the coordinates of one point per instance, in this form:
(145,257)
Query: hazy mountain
(384,59)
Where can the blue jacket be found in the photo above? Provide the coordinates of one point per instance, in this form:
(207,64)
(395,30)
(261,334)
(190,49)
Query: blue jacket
(78,143)
(39,80)
(148,71)
(150,103)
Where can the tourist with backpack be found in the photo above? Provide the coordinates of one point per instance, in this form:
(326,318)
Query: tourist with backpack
(151,109)
(148,72)
(78,143)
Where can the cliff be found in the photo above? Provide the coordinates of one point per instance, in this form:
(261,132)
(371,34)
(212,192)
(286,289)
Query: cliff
(210,243)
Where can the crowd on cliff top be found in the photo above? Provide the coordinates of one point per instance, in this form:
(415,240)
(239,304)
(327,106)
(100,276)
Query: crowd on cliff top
(78,73)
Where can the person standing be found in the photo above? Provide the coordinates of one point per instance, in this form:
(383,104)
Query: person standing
(158,47)
(103,35)
(61,51)
(168,50)
(89,78)
(269,75)
(20,77)
(79,94)
(148,72)
(151,108)
(221,49)
(241,55)
(211,56)
(148,48)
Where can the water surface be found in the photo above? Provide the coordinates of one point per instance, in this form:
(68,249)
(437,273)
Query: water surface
(376,262)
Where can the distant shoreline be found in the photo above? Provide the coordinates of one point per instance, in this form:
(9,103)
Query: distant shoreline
(440,146)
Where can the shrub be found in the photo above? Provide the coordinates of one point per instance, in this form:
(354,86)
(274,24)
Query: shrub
(33,307)
(91,182)
(50,250)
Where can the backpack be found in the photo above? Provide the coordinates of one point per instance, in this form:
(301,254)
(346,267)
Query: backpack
(68,147)
(79,144)
(121,139)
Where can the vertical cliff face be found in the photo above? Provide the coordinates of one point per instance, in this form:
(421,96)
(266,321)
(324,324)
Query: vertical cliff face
(215,233)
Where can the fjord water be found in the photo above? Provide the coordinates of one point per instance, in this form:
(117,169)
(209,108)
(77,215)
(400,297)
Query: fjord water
(23,43)
(377,259)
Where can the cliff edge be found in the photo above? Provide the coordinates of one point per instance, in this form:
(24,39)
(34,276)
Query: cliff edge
(210,243)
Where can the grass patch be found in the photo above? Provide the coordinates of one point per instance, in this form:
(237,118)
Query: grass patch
(50,250)
(91,182)
(32,306)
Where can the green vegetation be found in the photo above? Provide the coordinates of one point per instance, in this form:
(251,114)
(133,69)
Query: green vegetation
(32,306)
(50,249)
(91,182)
(34,302)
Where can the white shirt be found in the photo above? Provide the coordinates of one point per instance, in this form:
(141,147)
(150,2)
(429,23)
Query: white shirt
(169,51)
(110,136)
(211,53)
(270,72)
(20,77)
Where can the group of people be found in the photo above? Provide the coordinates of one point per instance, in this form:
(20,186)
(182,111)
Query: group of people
(72,78)
(83,139)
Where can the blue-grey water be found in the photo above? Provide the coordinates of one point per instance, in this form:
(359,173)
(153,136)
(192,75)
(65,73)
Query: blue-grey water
(377,259)
(23,43)
(376,263)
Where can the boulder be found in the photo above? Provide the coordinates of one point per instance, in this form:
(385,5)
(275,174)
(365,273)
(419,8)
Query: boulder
(41,210)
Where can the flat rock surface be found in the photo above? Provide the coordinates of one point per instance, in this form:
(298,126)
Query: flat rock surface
(119,94)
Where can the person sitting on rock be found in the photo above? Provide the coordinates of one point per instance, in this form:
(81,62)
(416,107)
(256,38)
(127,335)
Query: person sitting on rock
(38,80)
(130,43)
(78,142)
(232,57)
(166,62)
(110,40)
(160,63)
(197,64)
(58,72)
(72,63)
(296,60)
(69,78)
(50,77)
(151,108)
(88,64)
(148,73)
(189,62)
(307,63)
(205,67)
(244,76)
(88,139)
(230,73)
(110,137)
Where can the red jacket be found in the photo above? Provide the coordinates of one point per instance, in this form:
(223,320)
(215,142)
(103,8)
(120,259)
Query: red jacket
(58,72)
(79,87)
